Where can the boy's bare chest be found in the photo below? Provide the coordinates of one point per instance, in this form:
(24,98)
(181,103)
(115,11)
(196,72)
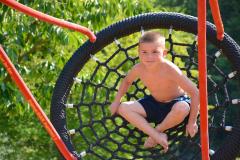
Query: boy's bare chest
(155,81)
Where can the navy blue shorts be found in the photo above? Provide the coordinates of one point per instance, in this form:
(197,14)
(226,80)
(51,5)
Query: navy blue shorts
(157,111)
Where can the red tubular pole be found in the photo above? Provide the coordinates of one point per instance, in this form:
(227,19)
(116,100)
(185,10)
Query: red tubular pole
(34,104)
(44,17)
(202,78)
(217,19)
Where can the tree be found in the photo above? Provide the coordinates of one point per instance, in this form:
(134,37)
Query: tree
(39,52)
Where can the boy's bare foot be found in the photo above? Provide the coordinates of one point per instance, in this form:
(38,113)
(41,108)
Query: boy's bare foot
(162,140)
(150,143)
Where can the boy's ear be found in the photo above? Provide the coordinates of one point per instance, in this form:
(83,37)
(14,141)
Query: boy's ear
(165,52)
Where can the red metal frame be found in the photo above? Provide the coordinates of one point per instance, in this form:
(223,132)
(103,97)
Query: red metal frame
(217,18)
(202,68)
(19,81)
(44,17)
(34,104)
(202,61)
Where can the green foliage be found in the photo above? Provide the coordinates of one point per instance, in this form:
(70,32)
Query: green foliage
(40,50)
(229,13)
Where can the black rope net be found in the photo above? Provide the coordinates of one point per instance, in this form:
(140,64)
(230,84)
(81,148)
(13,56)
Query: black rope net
(90,132)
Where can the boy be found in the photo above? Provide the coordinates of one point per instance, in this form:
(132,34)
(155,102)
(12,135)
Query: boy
(168,104)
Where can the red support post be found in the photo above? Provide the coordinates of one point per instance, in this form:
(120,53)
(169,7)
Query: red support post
(44,17)
(217,18)
(202,68)
(34,104)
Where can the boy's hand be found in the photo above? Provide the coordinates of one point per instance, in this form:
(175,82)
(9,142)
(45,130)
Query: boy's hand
(191,129)
(114,107)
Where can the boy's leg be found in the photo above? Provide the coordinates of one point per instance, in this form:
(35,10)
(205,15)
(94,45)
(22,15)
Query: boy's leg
(177,114)
(134,113)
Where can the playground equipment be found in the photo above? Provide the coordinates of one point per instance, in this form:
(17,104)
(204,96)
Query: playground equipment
(100,136)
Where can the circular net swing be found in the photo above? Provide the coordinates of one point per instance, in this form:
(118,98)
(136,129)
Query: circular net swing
(89,81)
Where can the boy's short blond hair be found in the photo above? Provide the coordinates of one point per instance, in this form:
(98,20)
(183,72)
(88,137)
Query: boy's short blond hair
(152,36)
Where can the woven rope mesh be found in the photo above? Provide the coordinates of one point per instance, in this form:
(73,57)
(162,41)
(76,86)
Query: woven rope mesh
(102,136)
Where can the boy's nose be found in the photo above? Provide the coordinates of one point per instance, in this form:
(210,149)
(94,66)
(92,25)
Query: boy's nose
(150,55)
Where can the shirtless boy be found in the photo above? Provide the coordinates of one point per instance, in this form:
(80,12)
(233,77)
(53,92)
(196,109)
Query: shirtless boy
(168,104)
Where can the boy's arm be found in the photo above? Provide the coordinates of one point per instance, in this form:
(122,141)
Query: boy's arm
(188,86)
(127,82)
(123,88)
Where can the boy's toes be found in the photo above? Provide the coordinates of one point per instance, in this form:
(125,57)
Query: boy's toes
(164,142)
(165,146)
(149,143)
(165,149)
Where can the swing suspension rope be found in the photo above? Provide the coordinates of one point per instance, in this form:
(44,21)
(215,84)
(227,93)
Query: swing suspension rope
(80,106)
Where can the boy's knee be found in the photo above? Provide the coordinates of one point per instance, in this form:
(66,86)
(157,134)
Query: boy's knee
(131,106)
(123,108)
(181,108)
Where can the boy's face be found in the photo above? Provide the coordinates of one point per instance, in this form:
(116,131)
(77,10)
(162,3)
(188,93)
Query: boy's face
(151,53)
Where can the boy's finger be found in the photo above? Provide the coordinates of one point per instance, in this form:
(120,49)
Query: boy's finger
(192,134)
(112,112)
(186,132)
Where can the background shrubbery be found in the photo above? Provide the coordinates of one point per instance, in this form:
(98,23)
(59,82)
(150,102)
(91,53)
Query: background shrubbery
(39,52)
